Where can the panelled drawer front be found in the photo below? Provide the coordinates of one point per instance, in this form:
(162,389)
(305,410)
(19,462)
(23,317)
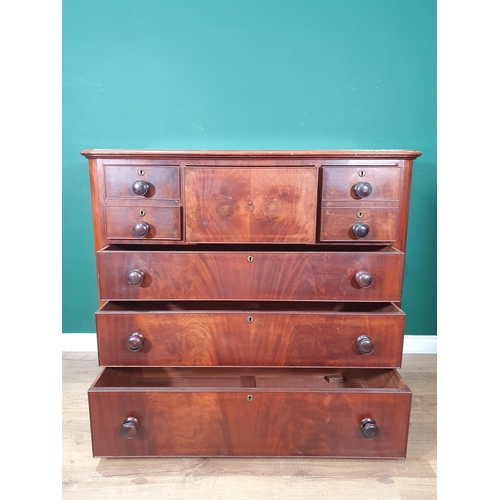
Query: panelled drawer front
(162,181)
(339,182)
(245,413)
(370,338)
(308,276)
(251,204)
(338,224)
(151,222)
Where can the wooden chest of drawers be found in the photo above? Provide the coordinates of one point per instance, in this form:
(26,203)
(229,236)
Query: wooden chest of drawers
(250,303)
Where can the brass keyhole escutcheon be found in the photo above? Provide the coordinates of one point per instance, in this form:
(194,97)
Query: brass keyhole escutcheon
(360,214)
(141,172)
(250,207)
(250,258)
(362,173)
(249,397)
(142,213)
(250,319)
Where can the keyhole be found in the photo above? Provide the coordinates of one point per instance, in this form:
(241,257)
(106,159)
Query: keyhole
(250,258)
(249,397)
(141,172)
(361,173)
(250,319)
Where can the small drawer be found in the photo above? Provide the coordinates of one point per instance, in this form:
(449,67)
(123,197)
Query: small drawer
(277,273)
(250,334)
(359,224)
(213,412)
(142,181)
(143,223)
(361,183)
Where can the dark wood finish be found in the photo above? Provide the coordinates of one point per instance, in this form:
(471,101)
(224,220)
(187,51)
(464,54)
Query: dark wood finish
(250,334)
(271,275)
(113,172)
(250,205)
(162,181)
(339,183)
(163,222)
(208,412)
(337,224)
(232,278)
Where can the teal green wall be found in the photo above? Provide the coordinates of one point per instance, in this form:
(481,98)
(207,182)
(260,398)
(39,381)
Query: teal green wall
(243,74)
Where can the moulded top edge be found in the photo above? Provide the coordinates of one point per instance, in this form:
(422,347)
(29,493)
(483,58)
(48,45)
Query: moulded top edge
(340,153)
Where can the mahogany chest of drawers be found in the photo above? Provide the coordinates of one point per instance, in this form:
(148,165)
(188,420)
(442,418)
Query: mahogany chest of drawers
(250,303)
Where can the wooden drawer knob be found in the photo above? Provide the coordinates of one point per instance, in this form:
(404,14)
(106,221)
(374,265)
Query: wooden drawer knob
(360,229)
(364,279)
(141,229)
(129,428)
(365,344)
(363,189)
(369,428)
(134,342)
(140,188)
(135,277)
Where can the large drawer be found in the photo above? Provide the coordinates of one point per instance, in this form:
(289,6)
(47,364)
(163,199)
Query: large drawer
(254,273)
(250,334)
(142,412)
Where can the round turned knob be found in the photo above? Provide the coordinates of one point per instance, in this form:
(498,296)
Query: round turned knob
(134,342)
(129,428)
(363,189)
(140,188)
(135,277)
(364,279)
(360,230)
(369,428)
(365,344)
(141,228)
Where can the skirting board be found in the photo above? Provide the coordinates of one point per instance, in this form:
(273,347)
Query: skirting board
(413,344)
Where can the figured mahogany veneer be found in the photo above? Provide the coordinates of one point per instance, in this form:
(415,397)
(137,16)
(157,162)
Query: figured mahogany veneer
(249,303)
(250,274)
(251,204)
(244,412)
(249,334)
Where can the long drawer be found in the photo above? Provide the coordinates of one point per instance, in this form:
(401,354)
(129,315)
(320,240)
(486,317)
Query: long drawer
(142,412)
(250,334)
(255,273)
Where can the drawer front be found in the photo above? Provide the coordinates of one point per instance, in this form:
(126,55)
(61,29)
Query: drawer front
(351,224)
(251,338)
(159,419)
(143,223)
(309,276)
(250,204)
(162,181)
(339,183)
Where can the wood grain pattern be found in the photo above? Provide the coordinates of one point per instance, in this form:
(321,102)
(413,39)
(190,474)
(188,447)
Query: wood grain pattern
(336,224)
(164,222)
(292,478)
(250,205)
(289,414)
(338,182)
(163,181)
(272,275)
(292,336)
(114,171)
